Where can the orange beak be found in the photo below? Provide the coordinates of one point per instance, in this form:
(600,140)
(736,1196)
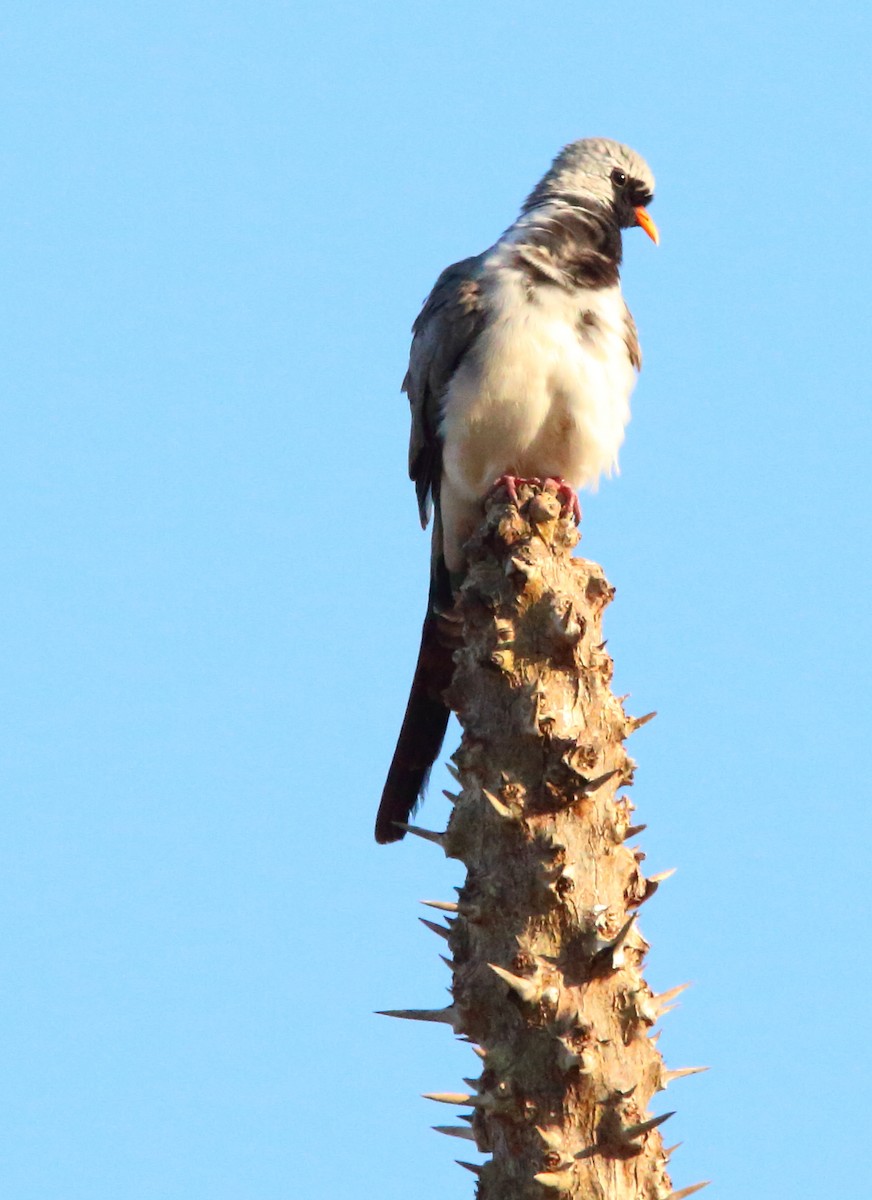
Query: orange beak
(644,221)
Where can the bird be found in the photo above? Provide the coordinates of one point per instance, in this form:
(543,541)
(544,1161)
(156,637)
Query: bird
(522,363)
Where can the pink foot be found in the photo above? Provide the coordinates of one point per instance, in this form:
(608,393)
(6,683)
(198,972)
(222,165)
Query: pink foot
(512,482)
(566,494)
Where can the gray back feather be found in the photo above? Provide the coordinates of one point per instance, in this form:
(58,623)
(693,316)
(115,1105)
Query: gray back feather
(448,324)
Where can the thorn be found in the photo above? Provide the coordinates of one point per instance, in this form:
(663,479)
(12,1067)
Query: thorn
(614,946)
(622,932)
(553,1138)
(688,1191)
(478,1050)
(440,929)
(667,1077)
(670,1150)
(473,1083)
(633,1131)
(429,835)
(634,831)
(454,773)
(527,989)
(567,1057)
(528,570)
(561,1180)
(453,797)
(476,1170)
(637,722)
(551,844)
(443,905)
(448,1097)
(459,1131)
(500,808)
(587,1152)
(550,875)
(593,784)
(652,883)
(567,626)
(665,997)
(647,1008)
(442,1016)
(652,1008)
(448,962)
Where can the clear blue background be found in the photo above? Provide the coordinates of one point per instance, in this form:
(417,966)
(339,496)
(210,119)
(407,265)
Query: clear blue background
(218,221)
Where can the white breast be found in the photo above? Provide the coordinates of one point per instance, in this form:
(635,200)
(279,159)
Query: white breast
(545,390)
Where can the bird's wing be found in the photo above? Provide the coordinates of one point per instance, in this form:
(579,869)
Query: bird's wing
(448,324)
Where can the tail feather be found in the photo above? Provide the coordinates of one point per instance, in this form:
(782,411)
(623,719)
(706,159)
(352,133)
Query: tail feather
(421,735)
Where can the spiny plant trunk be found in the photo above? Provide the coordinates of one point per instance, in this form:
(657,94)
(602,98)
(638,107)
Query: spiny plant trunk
(546,952)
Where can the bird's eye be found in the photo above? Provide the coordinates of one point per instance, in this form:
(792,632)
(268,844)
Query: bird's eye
(619,177)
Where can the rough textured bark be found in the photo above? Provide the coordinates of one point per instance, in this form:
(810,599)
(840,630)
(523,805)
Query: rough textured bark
(546,951)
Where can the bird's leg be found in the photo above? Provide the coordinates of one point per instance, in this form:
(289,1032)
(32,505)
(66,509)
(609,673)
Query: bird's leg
(566,494)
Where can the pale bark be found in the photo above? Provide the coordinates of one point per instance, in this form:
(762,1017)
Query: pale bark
(545,945)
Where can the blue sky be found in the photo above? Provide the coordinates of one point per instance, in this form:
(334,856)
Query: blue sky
(219,221)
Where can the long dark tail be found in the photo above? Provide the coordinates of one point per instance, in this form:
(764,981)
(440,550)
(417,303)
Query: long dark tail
(425,722)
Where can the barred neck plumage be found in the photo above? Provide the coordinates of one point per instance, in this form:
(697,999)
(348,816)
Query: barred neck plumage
(567,240)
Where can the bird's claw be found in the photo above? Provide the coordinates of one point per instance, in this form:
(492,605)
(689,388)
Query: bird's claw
(567,496)
(512,482)
(558,486)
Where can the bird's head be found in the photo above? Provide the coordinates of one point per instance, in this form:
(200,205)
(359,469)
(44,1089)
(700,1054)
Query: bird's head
(606,173)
